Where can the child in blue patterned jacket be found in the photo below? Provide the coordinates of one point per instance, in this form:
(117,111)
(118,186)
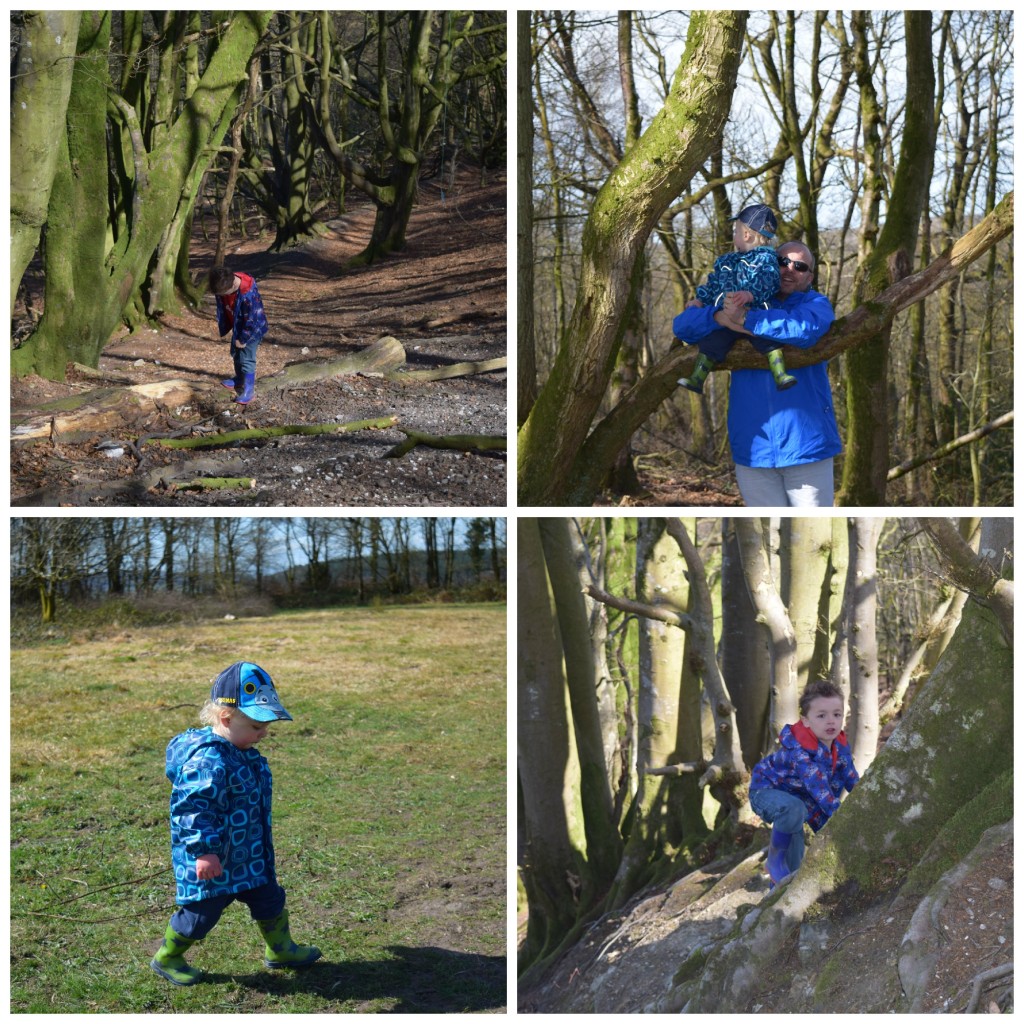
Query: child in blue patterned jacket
(804,779)
(221,844)
(751,273)
(240,311)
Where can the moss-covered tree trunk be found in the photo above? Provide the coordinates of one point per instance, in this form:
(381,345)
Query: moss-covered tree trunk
(41,85)
(867,368)
(90,278)
(622,217)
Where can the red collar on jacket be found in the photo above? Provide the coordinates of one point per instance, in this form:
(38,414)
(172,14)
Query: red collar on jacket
(809,741)
(245,282)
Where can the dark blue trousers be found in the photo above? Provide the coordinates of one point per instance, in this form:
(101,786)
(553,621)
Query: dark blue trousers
(716,345)
(195,920)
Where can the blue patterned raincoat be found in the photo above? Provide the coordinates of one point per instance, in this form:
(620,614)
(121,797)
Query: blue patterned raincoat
(220,803)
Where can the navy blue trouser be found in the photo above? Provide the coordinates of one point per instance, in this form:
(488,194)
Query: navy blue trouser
(716,345)
(195,920)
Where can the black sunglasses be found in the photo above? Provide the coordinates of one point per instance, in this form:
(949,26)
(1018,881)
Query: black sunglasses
(799,265)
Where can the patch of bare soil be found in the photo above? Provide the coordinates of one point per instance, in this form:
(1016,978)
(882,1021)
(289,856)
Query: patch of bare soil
(444,298)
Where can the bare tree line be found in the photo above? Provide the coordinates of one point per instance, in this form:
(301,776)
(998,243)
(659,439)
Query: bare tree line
(67,558)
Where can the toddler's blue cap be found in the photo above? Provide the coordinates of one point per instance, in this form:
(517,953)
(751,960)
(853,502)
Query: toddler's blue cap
(250,689)
(759,218)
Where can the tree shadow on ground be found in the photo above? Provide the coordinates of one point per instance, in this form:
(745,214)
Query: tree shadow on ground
(419,980)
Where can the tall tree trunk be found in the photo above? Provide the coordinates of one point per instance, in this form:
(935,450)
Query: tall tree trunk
(868,429)
(41,85)
(554,866)
(862,607)
(745,652)
(526,355)
(622,217)
(772,615)
(805,587)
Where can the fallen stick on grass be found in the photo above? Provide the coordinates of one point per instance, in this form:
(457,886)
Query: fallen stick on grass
(211,440)
(455,442)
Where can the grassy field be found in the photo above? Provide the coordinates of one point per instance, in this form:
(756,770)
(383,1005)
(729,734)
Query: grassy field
(389,814)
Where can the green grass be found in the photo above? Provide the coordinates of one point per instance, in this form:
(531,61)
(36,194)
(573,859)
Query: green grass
(389,814)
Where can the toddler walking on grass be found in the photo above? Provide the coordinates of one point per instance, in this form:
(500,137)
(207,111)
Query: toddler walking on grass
(221,844)
(804,779)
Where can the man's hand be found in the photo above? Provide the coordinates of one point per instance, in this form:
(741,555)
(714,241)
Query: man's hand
(732,319)
(208,867)
(737,302)
(694,304)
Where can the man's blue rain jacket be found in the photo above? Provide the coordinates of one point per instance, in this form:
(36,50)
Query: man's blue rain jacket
(220,803)
(768,428)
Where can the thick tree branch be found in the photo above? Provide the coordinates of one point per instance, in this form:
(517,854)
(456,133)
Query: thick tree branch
(659,613)
(974,573)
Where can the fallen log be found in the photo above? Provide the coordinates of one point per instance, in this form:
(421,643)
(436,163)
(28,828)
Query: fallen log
(216,483)
(455,442)
(444,372)
(212,440)
(103,410)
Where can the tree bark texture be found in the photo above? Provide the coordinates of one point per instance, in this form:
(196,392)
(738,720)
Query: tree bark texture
(866,462)
(554,850)
(39,99)
(861,610)
(774,618)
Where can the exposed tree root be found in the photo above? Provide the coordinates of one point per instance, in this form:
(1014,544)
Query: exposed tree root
(920,948)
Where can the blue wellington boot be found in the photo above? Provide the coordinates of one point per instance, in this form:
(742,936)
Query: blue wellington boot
(777,850)
(248,390)
(235,383)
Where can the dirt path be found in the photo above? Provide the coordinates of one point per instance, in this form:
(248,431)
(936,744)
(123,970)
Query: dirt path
(445,300)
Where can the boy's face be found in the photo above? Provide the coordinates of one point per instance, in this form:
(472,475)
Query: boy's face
(243,731)
(825,718)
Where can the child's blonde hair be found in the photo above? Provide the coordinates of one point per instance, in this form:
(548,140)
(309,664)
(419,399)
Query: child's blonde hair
(211,712)
(755,236)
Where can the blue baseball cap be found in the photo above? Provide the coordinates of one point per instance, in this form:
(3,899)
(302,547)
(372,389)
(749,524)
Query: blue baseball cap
(759,218)
(250,689)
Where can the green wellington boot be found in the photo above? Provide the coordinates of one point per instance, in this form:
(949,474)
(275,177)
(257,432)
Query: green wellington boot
(170,959)
(695,382)
(777,363)
(281,951)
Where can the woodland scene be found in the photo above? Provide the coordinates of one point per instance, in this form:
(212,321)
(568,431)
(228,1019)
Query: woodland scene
(883,142)
(352,164)
(658,661)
